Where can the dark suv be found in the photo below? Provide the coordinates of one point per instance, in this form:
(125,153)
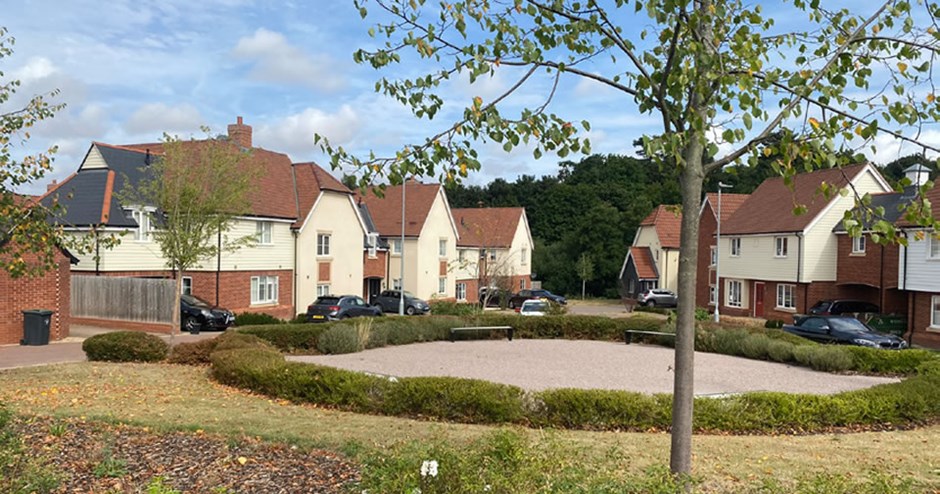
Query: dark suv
(839,307)
(197,314)
(336,307)
(389,300)
(523,295)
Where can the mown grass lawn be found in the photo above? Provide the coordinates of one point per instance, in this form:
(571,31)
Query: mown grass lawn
(168,397)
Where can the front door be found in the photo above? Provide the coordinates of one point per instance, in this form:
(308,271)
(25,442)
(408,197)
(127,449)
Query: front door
(373,287)
(758,299)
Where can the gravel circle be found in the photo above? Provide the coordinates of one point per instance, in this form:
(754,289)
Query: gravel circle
(94,457)
(545,364)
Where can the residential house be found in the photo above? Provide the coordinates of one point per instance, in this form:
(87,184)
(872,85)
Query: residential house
(706,294)
(919,274)
(775,263)
(494,250)
(423,259)
(374,256)
(304,224)
(653,259)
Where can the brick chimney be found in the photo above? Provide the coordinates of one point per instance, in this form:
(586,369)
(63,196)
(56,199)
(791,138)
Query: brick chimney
(52,185)
(240,134)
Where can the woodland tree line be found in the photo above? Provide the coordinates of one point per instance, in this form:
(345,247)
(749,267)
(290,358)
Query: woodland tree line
(594,206)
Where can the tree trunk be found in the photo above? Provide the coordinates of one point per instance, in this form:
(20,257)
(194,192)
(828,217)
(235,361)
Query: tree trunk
(583,282)
(175,324)
(690,181)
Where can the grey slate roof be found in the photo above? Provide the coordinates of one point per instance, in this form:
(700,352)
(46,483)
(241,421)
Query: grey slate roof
(370,225)
(893,203)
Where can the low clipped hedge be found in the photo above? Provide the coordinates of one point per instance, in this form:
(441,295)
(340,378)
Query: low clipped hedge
(193,353)
(251,363)
(255,318)
(291,338)
(125,346)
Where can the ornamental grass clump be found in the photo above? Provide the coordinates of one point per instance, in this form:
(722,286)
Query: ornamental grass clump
(125,346)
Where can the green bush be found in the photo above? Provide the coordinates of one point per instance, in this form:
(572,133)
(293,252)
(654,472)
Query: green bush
(653,309)
(878,361)
(600,409)
(290,338)
(256,318)
(824,357)
(193,353)
(450,398)
(125,346)
(774,324)
(702,314)
(448,308)
(342,338)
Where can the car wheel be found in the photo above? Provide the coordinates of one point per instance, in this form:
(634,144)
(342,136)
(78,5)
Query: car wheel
(410,310)
(651,303)
(191,324)
(344,316)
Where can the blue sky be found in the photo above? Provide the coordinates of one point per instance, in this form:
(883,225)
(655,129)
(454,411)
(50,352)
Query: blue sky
(131,70)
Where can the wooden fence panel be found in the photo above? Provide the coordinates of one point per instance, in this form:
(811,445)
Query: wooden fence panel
(126,299)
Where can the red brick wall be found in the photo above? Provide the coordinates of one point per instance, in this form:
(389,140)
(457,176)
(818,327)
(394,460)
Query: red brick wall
(705,274)
(234,288)
(374,267)
(811,292)
(918,320)
(50,291)
(877,267)
(473,289)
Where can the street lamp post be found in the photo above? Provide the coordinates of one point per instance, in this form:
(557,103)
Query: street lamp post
(718,253)
(401,268)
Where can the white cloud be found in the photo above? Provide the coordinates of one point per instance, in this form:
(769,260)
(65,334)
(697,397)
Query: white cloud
(156,118)
(294,134)
(888,148)
(276,60)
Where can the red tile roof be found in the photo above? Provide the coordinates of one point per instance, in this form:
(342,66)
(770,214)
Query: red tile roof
(667,220)
(272,193)
(487,227)
(310,180)
(643,260)
(386,211)
(769,209)
(729,203)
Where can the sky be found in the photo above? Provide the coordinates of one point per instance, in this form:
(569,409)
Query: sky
(130,70)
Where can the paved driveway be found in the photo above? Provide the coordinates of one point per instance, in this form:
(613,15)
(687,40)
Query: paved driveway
(542,364)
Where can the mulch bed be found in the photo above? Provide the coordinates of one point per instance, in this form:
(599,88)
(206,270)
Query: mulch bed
(99,458)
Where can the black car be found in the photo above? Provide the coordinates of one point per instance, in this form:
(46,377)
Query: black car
(196,314)
(523,295)
(336,307)
(843,330)
(389,300)
(839,307)
(493,297)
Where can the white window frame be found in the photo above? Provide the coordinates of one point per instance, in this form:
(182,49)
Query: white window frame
(735,246)
(786,296)
(859,244)
(778,243)
(935,312)
(323,289)
(187,285)
(396,246)
(442,285)
(712,295)
(372,243)
(442,247)
(396,284)
(264,232)
(492,254)
(523,256)
(144,219)
(933,246)
(713,255)
(522,284)
(735,294)
(323,244)
(461,255)
(264,290)
(461,291)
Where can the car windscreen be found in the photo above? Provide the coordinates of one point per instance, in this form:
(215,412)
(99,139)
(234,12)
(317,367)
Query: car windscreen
(194,301)
(820,306)
(848,324)
(534,307)
(327,301)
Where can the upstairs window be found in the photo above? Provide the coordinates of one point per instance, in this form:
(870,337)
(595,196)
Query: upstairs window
(933,246)
(372,243)
(714,256)
(396,246)
(780,246)
(263,232)
(736,247)
(323,244)
(143,217)
(442,247)
(858,245)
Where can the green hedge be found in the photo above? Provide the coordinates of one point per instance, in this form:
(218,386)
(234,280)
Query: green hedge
(249,363)
(256,318)
(125,346)
(288,337)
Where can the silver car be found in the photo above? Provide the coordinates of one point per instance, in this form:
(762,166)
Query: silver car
(658,298)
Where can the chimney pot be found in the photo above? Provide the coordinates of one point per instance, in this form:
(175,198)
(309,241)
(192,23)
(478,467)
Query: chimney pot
(52,185)
(240,134)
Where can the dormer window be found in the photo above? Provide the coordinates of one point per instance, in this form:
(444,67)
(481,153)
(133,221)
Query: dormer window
(143,217)
(372,243)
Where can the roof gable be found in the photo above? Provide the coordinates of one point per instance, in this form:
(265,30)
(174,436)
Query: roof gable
(729,203)
(487,227)
(644,263)
(310,180)
(386,211)
(667,221)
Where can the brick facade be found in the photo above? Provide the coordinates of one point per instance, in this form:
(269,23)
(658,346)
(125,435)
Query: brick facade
(806,294)
(918,320)
(473,286)
(51,291)
(234,288)
(871,276)
(374,267)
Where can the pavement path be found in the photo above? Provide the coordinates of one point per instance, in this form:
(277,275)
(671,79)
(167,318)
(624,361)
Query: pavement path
(69,349)
(544,364)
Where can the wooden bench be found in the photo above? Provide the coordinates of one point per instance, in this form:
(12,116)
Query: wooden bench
(628,334)
(507,329)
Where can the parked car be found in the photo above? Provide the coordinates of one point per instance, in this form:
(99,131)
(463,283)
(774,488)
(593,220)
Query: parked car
(336,307)
(658,297)
(389,300)
(196,314)
(493,297)
(533,308)
(523,295)
(839,307)
(842,330)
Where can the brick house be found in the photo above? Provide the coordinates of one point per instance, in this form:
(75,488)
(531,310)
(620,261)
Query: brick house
(919,276)
(656,243)
(305,225)
(494,249)
(50,291)
(774,263)
(705,292)
(430,238)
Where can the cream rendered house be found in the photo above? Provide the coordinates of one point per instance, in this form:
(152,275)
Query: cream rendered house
(774,263)
(292,207)
(656,239)
(430,243)
(495,249)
